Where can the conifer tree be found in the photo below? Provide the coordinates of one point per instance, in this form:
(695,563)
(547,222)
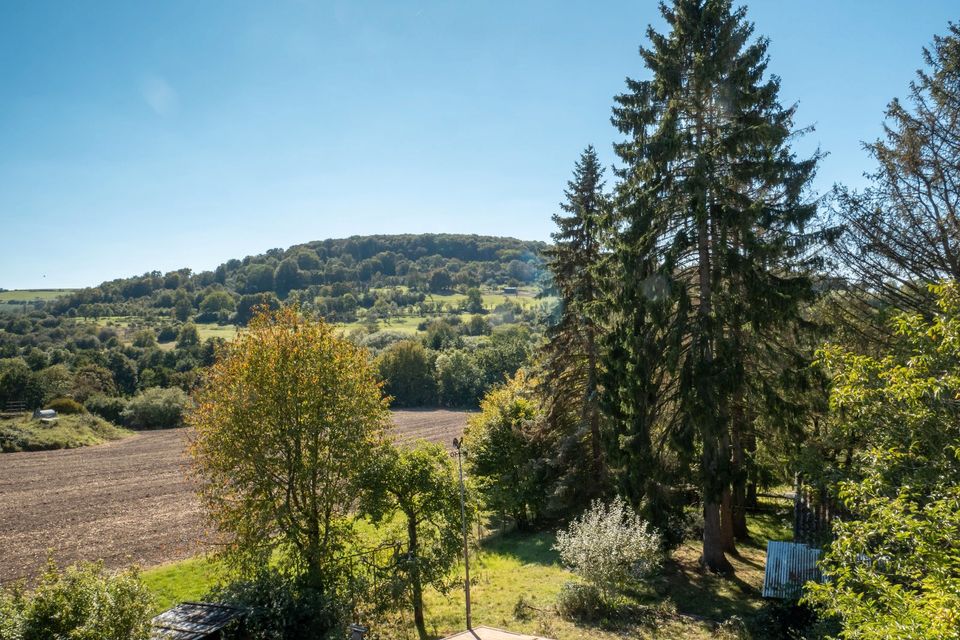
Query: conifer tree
(903,231)
(710,202)
(571,358)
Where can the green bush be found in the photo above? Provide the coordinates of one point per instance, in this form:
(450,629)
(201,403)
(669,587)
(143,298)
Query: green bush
(107,407)
(83,602)
(281,607)
(580,601)
(66,406)
(156,408)
(609,546)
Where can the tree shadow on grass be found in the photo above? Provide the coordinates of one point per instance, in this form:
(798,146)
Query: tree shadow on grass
(699,594)
(528,548)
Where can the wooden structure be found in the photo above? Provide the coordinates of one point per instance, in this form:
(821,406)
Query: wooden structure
(194,621)
(814,511)
(789,566)
(491,633)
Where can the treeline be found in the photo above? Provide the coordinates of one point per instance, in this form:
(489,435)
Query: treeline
(332,277)
(719,332)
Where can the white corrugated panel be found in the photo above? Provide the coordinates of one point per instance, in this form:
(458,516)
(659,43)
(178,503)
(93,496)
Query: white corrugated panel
(789,566)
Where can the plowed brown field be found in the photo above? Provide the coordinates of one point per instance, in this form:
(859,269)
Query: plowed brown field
(125,502)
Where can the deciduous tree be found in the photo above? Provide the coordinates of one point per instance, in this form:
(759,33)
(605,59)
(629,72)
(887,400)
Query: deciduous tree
(285,422)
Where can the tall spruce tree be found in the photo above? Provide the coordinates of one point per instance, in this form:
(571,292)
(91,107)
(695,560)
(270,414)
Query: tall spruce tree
(572,358)
(710,201)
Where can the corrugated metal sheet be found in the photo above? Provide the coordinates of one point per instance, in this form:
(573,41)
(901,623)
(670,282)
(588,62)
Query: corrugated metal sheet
(789,566)
(193,621)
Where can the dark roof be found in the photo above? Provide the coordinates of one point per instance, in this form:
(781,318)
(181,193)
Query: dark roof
(193,621)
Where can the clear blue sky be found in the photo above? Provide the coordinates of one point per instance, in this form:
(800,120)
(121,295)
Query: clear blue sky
(157,135)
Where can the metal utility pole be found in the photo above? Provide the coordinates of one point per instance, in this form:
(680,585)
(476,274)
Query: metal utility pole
(463,516)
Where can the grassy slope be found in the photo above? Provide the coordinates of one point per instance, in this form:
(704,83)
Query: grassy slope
(32,294)
(69,432)
(682,602)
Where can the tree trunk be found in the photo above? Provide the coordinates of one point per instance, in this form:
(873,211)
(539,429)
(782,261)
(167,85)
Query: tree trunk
(416,587)
(713,558)
(751,447)
(593,415)
(739,483)
(727,535)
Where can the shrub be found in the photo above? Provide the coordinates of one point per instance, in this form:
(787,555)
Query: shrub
(156,408)
(609,545)
(107,407)
(81,603)
(281,607)
(579,601)
(66,406)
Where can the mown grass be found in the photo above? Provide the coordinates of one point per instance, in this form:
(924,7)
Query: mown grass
(515,579)
(187,580)
(68,432)
(31,295)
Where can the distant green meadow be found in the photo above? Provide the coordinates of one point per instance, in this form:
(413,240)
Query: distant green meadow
(12,300)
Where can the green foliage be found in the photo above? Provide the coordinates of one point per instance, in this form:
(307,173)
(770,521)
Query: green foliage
(610,546)
(68,432)
(407,370)
(503,453)
(82,602)
(188,337)
(107,407)
(571,357)
(474,301)
(92,379)
(459,379)
(156,408)
(420,484)
(894,566)
(581,602)
(280,607)
(284,423)
(709,264)
(66,406)
(216,301)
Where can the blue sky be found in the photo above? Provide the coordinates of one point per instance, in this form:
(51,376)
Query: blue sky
(157,135)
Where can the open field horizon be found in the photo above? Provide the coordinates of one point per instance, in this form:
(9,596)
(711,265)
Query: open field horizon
(129,501)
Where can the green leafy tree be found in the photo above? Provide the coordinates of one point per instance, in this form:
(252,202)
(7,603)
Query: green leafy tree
(710,202)
(287,277)
(474,301)
(189,337)
(894,565)
(440,281)
(284,422)
(502,448)
(459,379)
(216,301)
(407,370)
(420,484)
(182,307)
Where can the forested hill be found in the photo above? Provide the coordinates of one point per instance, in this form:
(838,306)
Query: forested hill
(336,276)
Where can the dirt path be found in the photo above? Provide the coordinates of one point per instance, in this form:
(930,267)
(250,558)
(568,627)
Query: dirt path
(124,502)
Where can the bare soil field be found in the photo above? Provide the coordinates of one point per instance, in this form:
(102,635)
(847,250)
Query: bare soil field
(125,502)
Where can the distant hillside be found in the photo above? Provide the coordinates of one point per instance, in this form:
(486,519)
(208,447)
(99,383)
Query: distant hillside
(334,277)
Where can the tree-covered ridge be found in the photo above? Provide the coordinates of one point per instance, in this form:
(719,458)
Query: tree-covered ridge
(332,277)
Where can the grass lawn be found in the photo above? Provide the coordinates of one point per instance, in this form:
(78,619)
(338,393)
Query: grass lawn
(68,432)
(226,331)
(681,602)
(31,295)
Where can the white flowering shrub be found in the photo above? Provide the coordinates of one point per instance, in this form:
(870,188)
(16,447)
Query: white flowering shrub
(610,545)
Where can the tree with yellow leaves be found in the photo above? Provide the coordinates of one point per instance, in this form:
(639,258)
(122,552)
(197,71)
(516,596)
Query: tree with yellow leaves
(284,423)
